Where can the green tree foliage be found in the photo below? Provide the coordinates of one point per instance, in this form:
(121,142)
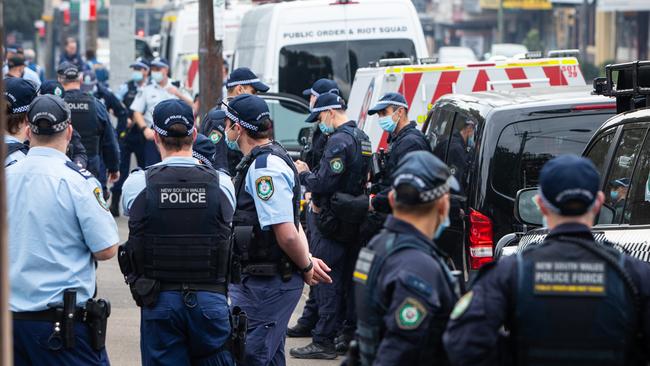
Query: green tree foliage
(533,41)
(19,16)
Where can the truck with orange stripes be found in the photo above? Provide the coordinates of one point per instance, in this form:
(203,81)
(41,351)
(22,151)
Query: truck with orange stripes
(423,84)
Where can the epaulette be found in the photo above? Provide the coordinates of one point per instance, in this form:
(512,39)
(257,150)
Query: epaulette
(84,173)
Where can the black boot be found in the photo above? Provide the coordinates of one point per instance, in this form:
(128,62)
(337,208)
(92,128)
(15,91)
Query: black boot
(315,351)
(299,331)
(342,343)
(115,204)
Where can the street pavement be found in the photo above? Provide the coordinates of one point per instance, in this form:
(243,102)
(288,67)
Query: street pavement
(123,338)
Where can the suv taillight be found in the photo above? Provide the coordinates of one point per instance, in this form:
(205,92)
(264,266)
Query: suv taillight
(480,239)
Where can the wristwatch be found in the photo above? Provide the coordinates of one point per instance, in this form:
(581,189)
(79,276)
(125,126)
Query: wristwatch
(309,267)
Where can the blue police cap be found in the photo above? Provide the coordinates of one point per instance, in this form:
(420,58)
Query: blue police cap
(244,76)
(387,100)
(140,63)
(19,93)
(569,184)
(204,150)
(159,62)
(215,119)
(325,102)
(68,70)
(322,86)
(52,87)
(622,182)
(249,111)
(48,114)
(172,112)
(427,174)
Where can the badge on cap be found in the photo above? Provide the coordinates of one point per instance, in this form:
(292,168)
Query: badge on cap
(264,186)
(337,165)
(100,198)
(462,305)
(410,314)
(215,136)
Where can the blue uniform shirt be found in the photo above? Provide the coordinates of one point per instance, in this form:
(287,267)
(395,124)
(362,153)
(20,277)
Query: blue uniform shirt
(270,182)
(18,155)
(136,182)
(57,219)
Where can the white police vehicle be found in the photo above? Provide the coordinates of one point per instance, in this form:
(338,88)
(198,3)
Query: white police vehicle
(620,149)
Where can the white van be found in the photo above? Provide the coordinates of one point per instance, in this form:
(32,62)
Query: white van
(290,45)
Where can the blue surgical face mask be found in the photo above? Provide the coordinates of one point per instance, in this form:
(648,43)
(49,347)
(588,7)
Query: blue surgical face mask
(443,225)
(137,76)
(544,222)
(157,76)
(614,195)
(232,144)
(387,124)
(325,129)
(470,141)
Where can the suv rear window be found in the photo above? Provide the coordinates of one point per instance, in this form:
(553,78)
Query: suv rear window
(524,147)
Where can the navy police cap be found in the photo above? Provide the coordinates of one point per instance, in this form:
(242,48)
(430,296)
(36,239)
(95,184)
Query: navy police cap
(249,111)
(322,86)
(48,114)
(140,63)
(244,76)
(325,102)
(52,87)
(19,93)
(68,70)
(569,184)
(204,150)
(159,62)
(427,174)
(388,100)
(172,112)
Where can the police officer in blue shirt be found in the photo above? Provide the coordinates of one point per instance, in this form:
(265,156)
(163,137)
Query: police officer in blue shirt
(270,245)
(59,225)
(566,301)
(176,258)
(90,119)
(340,180)
(213,125)
(19,93)
(311,154)
(404,289)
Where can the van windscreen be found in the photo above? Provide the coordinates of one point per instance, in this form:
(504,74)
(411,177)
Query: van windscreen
(524,147)
(302,64)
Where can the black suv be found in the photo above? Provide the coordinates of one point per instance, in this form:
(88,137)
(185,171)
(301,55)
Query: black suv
(620,149)
(517,131)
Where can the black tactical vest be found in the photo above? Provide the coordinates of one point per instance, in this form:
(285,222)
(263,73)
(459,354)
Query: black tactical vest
(84,120)
(356,174)
(263,248)
(393,158)
(370,321)
(132,91)
(575,305)
(178,226)
(13,147)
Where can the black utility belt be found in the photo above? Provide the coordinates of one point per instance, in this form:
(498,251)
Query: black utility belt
(188,287)
(268,269)
(50,315)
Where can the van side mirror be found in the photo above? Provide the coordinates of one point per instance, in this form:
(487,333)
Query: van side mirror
(526,210)
(303,135)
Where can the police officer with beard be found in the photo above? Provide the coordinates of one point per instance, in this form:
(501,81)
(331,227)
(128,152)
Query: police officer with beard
(566,301)
(177,256)
(404,289)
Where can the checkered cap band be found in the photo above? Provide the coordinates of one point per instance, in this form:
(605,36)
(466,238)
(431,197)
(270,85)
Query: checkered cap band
(236,119)
(435,193)
(56,127)
(242,82)
(390,102)
(165,133)
(316,94)
(327,107)
(22,109)
(202,158)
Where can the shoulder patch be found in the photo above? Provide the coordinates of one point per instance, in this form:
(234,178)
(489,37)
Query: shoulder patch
(100,198)
(215,136)
(410,314)
(84,173)
(419,285)
(264,187)
(337,165)
(462,305)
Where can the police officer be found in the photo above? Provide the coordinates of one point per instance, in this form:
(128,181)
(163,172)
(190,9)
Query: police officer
(176,258)
(160,88)
(270,245)
(129,136)
(213,125)
(341,176)
(312,153)
(90,119)
(403,287)
(19,93)
(203,150)
(566,301)
(458,157)
(404,137)
(52,269)
(618,196)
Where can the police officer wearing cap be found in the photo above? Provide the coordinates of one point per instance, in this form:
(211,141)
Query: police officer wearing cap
(566,301)
(213,125)
(204,150)
(461,143)
(339,180)
(90,119)
(18,93)
(311,154)
(52,266)
(270,244)
(176,258)
(160,88)
(244,81)
(404,137)
(403,287)
(129,136)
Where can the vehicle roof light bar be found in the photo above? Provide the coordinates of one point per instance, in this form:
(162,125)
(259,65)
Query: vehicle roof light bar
(564,53)
(628,82)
